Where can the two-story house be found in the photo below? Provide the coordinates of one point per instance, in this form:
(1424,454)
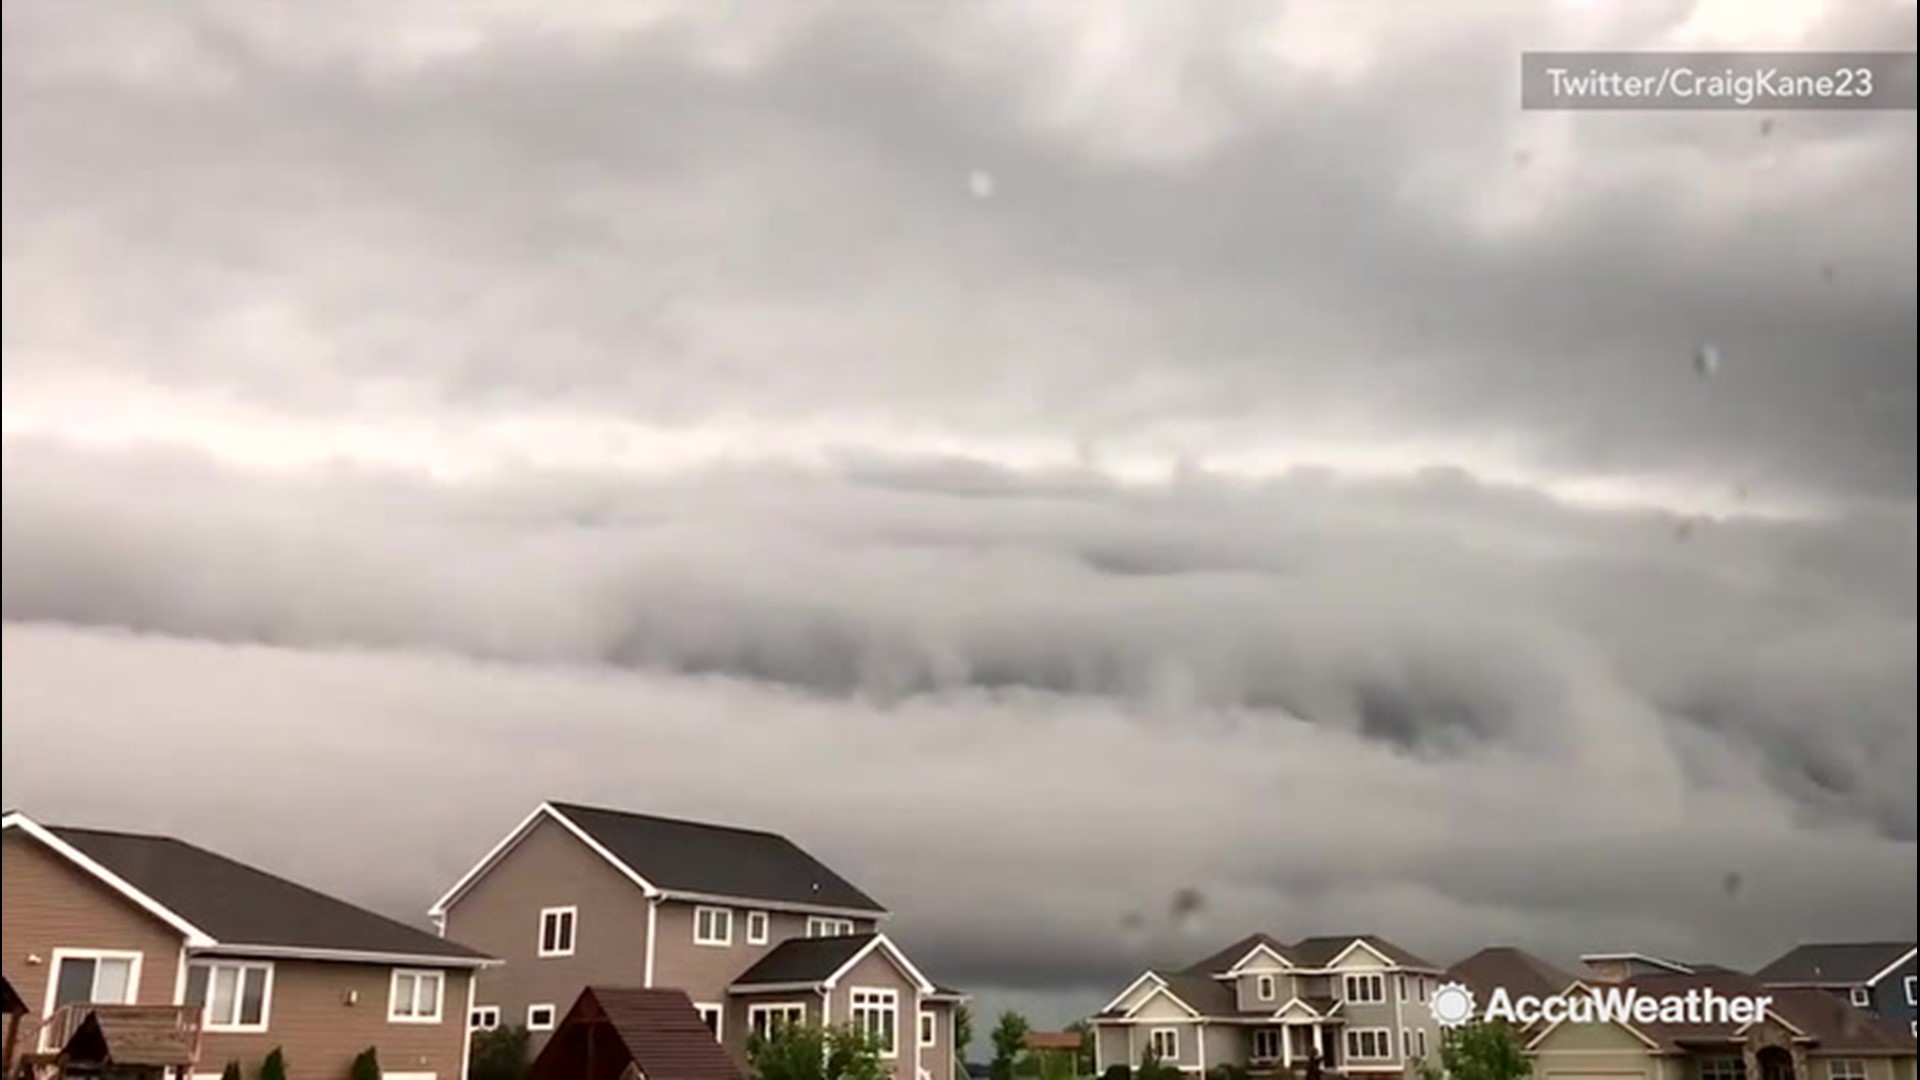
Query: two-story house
(754,929)
(100,922)
(1358,1003)
(1877,976)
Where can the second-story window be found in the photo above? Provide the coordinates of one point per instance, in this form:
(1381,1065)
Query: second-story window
(929,1030)
(415,997)
(712,926)
(757,927)
(1263,987)
(557,926)
(1366,989)
(821,926)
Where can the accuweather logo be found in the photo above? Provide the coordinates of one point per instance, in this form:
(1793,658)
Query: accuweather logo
(1454,1005)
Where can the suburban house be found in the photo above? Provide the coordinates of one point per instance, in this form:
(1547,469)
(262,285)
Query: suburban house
(754,930)
(1513,969)
(1806,1034)
(1875,976)
(614,1033)
(109,931)
(1358,1003)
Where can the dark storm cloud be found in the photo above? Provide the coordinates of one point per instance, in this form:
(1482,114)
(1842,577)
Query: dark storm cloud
(671,238)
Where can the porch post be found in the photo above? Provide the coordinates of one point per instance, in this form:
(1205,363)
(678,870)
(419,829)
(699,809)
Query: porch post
(1286,1047)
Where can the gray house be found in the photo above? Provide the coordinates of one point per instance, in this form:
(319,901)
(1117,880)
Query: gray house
(756,932)
(1357,1002)
(1873,975)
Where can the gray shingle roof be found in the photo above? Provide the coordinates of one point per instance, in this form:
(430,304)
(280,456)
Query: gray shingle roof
(804,960)
(690,856)
(241,906)
(1313,952)
(1848,964)
(1517,970)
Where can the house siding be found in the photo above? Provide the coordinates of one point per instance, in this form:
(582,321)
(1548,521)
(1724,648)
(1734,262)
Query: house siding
(1111,1046)
(1892,995)
(322,1014)
(705,971)
(1162,1012)
(499,915)
(876,971)
(735,1028)
(48,903)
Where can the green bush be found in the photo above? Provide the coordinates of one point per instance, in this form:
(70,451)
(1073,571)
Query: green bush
(232,1072)
(366,1066)
(499,1054)
(275,1067)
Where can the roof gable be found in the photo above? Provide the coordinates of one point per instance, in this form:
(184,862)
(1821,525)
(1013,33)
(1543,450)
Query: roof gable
(825,961)
(221,903)
(1861,963)
(689,859)
(660,1031)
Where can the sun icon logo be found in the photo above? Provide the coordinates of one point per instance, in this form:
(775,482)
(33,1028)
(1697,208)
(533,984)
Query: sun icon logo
(1452,1005)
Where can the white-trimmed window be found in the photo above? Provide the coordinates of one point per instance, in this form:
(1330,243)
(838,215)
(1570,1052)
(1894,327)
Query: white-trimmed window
(758,923)
(1404,995)
(1164,1044)
(540,1017)
(1420,1039)
(94,977)
(233,995)
(1406,1042)
(1263,987)
(876,1014)
(714,1016)
(1909,981)
(1862,996)
(415,997)
(929,1028)
(1420,987)
(1369,1044)
(767,1021)
(712,926)
(1366,989)
(1723,1068)
(1266,1044)
(1846,1069)
(557,926)
(823,926)
(483,1018)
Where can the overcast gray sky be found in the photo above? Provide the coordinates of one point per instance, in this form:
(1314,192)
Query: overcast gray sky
(1041,456)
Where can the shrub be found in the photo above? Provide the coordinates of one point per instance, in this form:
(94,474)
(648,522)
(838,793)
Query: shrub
(232,1072)
(366,1066)
(499,1054)
(275,1067)
(1117,1072)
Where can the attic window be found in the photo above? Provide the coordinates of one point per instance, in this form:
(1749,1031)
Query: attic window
(1862,996)
(1263,987)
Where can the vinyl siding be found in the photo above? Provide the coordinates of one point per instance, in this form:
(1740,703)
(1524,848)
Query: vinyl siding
(322,1014)
(47,903)
(877,972)
(500,916)
(705,971)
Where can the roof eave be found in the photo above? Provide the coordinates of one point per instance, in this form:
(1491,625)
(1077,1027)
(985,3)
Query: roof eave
(195,937)
(345,956)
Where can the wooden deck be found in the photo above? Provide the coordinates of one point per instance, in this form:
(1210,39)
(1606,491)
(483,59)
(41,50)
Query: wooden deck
(79,1039)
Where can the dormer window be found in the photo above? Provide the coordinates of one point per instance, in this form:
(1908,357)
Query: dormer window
(1263,987)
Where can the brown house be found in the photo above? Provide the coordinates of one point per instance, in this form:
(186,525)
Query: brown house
(753,929)
(129,926)
(626,1034)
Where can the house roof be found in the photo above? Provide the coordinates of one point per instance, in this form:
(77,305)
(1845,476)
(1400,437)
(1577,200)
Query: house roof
(1836,964)
(660,1030)
(1832,1025)
(241,908)
(10,998)
(1515,969)
(691,859)
(1312,953)
(804,960)
(1234,953)
(1054,1040)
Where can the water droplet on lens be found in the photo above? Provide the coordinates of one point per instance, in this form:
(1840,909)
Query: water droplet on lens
(1133,930)
(1188,909)
(1706,361)
(1732,883)
(980,184)
(1766,127)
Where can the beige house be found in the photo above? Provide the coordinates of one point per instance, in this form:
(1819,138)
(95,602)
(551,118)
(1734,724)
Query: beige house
(130,925)
(1806,1034)
(756,931)
(1358,1004)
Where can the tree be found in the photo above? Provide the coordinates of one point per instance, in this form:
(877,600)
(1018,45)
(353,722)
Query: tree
(499,1054)
(1152,1068)
(1479,1051)
(1009,1042)
(1083,1059)
(275,1067)
(811,1052)
(366,1065)
(232,1072)
(962,1031)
